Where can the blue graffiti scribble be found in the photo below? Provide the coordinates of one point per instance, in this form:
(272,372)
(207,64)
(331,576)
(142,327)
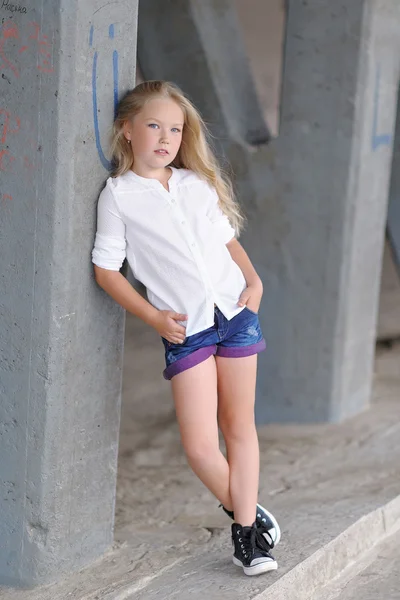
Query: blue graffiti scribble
(104,161)
(384,139)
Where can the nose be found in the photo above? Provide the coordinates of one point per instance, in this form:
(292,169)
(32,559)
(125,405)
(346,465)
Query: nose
(164,138)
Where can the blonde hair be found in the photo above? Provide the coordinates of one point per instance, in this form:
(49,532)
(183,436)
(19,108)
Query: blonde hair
(194,153)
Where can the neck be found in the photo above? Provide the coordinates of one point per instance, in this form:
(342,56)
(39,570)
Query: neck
(160,174)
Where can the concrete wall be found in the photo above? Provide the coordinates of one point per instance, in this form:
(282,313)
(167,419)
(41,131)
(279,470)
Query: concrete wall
(63,65)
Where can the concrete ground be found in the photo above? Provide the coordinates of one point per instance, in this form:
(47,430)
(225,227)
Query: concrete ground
(334,488)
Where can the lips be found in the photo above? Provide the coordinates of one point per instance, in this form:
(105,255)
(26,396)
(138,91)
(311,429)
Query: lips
(161,152)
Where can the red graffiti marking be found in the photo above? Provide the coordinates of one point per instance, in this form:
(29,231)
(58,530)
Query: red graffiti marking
(10,31)
(44,46)
(6,159)
(39,42)
(6,125)
(5,155)
(5,199)
(10,128)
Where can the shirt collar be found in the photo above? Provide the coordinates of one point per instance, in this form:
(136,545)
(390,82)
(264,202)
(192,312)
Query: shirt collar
(154,183)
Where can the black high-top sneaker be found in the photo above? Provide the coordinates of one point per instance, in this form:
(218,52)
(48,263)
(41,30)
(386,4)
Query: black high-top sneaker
(247,552)
(266,522)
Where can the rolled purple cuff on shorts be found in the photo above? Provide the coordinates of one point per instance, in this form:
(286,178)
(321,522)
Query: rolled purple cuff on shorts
(239,351)
(189,361)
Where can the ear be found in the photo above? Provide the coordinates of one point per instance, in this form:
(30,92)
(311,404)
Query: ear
(127,130)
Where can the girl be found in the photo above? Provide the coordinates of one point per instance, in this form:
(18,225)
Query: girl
(172,214)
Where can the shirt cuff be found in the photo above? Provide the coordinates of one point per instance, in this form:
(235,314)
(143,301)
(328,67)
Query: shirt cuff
(109,252)
(225,229)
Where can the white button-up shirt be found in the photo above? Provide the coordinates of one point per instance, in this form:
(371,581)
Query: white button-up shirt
(175,243)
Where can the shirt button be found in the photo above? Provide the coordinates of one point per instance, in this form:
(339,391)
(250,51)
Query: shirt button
(183,222)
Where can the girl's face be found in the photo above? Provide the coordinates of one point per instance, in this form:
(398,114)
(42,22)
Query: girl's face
(155,134)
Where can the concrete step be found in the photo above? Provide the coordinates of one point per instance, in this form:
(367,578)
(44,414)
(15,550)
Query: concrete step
(210,573)
(375,576)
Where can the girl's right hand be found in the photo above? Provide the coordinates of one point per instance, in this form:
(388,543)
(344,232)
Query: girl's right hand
(166,325)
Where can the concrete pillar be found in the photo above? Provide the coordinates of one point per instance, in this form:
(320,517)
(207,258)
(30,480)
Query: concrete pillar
(324,206)
(63,65)
(200,43)
(393,223)
(316,196)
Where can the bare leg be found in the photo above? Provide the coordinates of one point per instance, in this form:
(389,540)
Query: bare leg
(195,397)
(236,397)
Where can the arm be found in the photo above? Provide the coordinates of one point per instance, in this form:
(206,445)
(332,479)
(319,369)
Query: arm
(252,295)
(119,288)
(108,255)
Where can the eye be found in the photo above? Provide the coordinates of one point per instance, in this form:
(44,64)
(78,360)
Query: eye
(152,125)
(176,130)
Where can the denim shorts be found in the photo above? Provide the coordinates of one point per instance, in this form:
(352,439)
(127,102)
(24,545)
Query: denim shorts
(241,336)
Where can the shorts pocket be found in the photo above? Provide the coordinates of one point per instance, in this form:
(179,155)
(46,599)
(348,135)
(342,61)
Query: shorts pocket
(170,344)
(251,311)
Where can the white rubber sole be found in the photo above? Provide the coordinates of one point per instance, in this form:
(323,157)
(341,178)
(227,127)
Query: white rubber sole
(263,567)
(275,524)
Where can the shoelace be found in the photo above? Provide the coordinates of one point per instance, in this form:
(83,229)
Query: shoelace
(250,543)
(261,541)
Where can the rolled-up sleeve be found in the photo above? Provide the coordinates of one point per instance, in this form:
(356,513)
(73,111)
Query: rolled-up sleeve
(109,249)
(219,218)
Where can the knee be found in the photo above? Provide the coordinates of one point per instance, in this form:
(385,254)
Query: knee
(200,452)
(238,431)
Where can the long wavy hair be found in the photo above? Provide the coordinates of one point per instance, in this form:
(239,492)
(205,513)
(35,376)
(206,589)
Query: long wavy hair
(194,153)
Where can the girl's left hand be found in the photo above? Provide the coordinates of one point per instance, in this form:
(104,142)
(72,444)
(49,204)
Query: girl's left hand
(251,297)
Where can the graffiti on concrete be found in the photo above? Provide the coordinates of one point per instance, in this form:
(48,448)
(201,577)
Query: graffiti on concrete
(13,8)
(10,126)
(111,33)
(378,139)
(5,203)
(5,198)
(20,45)
(14,44)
